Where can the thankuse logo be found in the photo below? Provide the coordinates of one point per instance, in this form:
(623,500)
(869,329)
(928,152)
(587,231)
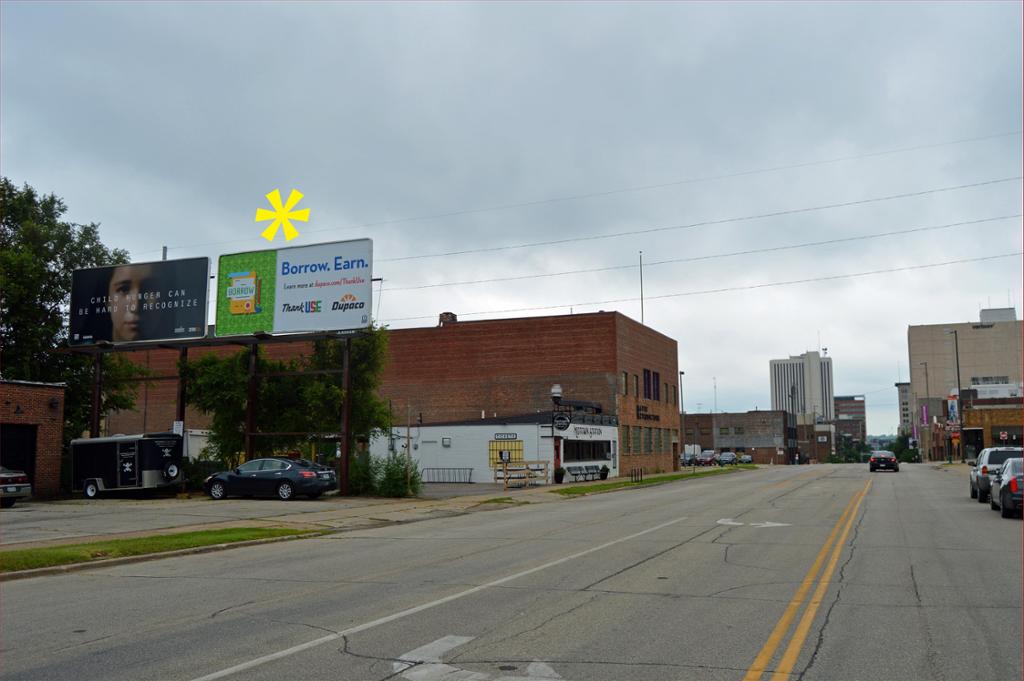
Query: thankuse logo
(306,307)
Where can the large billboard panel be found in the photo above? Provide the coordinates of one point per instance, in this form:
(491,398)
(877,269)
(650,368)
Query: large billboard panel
(325,287)
(154,301)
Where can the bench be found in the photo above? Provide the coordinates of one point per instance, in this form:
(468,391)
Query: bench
(577,472)
(593,472)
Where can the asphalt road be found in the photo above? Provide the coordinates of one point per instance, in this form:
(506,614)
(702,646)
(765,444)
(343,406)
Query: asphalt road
(828,572)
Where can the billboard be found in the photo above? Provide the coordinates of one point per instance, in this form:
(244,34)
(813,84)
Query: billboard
(154,301)
(325,287)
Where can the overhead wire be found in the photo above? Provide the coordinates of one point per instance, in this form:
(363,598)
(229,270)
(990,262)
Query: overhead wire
(639,188)
(726,289)
(715,256)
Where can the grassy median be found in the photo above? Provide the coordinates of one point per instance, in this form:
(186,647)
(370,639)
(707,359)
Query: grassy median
(28,559)
(658,480)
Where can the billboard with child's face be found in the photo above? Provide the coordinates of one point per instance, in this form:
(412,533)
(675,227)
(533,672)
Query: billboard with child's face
(154,301)
(325,287)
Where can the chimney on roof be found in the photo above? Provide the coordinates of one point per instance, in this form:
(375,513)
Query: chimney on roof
(447,318)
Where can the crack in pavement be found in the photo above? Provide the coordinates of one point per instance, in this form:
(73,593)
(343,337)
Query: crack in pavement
(839,590)
(231,607)
(546,622)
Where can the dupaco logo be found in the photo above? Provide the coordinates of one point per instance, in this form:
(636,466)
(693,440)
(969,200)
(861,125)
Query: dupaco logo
(347,302)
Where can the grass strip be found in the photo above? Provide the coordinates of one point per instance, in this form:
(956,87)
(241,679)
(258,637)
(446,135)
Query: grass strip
(505,500)
(605,487)
(28,559)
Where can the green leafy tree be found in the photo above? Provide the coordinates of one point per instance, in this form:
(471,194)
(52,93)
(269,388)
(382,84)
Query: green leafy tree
(38,252)
(307,403)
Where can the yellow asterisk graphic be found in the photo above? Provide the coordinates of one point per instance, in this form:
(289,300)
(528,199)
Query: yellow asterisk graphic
(282,215)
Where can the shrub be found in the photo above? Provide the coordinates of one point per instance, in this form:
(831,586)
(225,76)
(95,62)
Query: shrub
(399,477)
(363,472)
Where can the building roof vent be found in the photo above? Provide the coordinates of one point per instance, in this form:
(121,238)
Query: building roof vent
(447,318)
(998,314)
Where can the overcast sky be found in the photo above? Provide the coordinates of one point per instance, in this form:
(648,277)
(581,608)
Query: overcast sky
(433,128)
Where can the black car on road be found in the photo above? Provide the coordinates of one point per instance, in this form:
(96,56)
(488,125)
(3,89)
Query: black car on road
(883,459)
(278,477)
(1007,495)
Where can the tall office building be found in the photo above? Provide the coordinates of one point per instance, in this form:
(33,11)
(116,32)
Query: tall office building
(802,385)
(851,418)
(906,423)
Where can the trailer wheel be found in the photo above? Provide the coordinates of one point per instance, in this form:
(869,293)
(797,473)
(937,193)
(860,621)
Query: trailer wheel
(91,490)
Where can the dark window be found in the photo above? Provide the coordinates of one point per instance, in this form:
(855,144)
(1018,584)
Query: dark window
(625,382)
(647,384)
(723,431)
(656,386)
(586,450)
(636,386)
(738,430)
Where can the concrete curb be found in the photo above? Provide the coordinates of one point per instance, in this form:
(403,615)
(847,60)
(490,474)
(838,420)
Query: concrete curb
(141,558)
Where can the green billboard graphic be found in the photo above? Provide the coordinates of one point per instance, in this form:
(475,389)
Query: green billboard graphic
(245,293)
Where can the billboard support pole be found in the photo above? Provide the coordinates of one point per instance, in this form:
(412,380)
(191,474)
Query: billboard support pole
(346,418)
(250,405)
(179,414)
(97,388)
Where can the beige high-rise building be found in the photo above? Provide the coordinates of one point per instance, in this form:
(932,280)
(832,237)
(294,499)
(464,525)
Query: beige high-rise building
(989,353)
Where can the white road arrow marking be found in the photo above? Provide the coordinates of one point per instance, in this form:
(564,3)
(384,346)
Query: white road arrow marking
(424,664)
(769,524)
(728,521)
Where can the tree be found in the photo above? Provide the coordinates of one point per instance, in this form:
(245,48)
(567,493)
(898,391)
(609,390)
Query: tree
(38,253)
(309,402)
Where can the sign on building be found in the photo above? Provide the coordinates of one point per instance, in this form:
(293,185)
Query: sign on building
(326,287)
(151,301)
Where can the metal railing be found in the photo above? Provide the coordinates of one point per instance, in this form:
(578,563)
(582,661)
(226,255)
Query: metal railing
(447,475)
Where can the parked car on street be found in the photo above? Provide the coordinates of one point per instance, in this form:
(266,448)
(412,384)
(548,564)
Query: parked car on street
(727,459)
(883,459)
(706,458)
(746,458)
(989,461)
(1007,493)
(14,485)
(688,459)
(278,477)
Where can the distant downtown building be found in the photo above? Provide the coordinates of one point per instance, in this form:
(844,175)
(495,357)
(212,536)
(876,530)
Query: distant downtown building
(851,418)
(802,385)
(903,393)
(989,356)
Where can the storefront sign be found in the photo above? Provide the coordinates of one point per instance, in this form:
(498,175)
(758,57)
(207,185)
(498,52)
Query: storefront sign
(643,415)
(561,421)
(505,436)
(154,301)
(326,287)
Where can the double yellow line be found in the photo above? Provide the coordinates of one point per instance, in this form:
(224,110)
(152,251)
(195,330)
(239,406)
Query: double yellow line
(785,666)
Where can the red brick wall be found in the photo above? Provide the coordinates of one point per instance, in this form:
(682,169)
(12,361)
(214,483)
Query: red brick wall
(34,404)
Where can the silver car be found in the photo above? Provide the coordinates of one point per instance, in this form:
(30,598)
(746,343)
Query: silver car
(990,460)
(14,485)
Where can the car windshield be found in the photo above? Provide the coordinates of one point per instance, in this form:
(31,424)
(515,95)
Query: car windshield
(998,456)
(1016,466)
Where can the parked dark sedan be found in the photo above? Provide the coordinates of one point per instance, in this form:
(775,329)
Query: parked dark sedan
(14,485)
(727,459)
(272,477)
(883,459)
(706,458)
(1008,488)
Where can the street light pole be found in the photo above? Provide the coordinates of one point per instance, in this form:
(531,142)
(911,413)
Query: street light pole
(682,418)
(959,402)
(927,425)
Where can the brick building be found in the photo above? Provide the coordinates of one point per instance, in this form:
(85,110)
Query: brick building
(985,422)
(851,418)
(32,432)
(761,434)
(458,371)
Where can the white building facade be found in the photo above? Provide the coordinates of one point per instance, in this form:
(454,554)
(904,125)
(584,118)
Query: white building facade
(802,385)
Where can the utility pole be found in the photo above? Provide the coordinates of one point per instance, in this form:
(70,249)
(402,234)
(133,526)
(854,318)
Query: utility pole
(714,381)
(682,418)
(927,394)
(408,448)
(959,402)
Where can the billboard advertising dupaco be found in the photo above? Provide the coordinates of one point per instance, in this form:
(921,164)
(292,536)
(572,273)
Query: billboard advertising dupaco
(153,301)
(325,287)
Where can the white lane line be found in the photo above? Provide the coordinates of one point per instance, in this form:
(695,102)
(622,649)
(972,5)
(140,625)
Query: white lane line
(287,652)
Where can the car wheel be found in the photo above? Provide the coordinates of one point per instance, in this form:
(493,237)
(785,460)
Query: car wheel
(1004,508)
(91,490)
(974,492)
(873,469)
(981,496)
(896,470)
(7,503)
(285,491)
(992,503)
(218,491)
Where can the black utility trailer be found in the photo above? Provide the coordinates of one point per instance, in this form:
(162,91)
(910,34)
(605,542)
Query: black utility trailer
(124,462)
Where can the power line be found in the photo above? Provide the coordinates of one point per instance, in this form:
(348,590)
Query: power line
(728,289)
(706,223)
(639,188)
(715,256)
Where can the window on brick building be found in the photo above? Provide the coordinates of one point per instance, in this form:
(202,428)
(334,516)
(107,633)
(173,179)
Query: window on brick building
(647,441)
(624,439)
(656,447)
(636,386)
(689,433)
(675,395)
(656,386)
(723,431)
(625,383)
(738,430)
(635,440)
(647,384)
